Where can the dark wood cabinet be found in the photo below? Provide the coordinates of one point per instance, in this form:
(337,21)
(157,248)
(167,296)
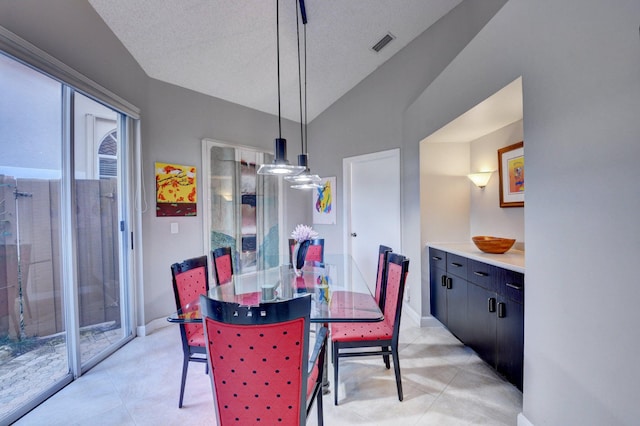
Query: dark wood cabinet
(482,322)
(482,305)
(510,327)
(438,284)
(448,282)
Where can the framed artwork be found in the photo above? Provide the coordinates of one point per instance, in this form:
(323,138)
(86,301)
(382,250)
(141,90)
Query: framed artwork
(511,171)
(324,207)
(176,193)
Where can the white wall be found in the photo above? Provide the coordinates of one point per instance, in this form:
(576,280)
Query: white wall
(444,194)
(369,118)
(452,209)
(486,216)
(174,121)
(580,65)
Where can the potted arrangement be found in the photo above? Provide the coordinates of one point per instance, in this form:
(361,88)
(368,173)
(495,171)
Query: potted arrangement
(302,234)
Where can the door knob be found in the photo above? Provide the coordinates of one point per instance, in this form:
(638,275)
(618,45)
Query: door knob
(353,234)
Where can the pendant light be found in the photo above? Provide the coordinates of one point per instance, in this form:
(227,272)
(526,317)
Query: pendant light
(280,165)
(304,180)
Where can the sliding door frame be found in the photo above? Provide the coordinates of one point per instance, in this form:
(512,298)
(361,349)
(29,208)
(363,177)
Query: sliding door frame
(129,209)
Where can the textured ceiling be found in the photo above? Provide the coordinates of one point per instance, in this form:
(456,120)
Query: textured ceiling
(227,48)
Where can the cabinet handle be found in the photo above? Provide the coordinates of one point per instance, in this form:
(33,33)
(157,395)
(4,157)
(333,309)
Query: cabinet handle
(457,265)
(481,274)
(492,304)
(514,286)
(436,257)
(449,283)
(443,280)
(501,310)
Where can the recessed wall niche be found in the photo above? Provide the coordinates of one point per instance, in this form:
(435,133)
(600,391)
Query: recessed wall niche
(452,208)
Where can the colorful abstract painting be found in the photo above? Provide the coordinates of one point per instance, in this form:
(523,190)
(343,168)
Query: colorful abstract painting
(516,175)
(176,193)
(511,170)
(324,209)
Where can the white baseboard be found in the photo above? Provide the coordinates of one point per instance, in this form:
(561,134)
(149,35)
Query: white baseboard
(156,324)
(427,321)
(409,312)
(523,421)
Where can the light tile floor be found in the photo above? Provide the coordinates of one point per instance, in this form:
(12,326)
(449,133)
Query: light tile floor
(444,382)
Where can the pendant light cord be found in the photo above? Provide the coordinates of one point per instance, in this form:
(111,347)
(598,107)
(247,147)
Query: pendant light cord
(306,137)
(302,151)
(278,58)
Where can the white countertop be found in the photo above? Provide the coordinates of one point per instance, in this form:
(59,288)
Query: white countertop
(512,260)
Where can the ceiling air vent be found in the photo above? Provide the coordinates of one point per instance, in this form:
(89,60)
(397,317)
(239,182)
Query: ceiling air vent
(388,37)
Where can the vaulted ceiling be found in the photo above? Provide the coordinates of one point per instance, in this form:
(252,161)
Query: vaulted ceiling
(227,48)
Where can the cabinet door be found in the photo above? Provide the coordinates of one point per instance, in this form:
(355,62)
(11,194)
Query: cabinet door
(510,340)
(437,284)
(438,293)
(481,337)
(457,321)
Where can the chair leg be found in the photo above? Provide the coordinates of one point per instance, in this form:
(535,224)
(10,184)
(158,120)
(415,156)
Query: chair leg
(386,358)
(396,368)
(185,365)
(319,407)
(336,357)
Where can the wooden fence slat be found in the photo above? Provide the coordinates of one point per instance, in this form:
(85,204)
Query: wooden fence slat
(35,230)
(110,252)
(89,272)
(55,233)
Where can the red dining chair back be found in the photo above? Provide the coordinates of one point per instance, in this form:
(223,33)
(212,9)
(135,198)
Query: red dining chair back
(190,279)
(261,372)
(384,334)
(383,252)
(348,300)
(222,261)
(315,251)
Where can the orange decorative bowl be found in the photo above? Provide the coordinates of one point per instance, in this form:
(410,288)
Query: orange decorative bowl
(495,245)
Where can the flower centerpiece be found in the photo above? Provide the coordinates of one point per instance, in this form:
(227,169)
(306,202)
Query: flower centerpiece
(303,232)
(302,235)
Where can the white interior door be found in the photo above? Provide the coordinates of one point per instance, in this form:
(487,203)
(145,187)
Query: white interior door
(372,208)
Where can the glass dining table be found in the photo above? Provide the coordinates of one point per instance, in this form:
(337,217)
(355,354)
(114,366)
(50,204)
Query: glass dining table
(337,288)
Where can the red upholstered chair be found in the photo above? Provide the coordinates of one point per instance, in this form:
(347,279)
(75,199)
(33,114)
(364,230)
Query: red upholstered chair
(222,262)
(353,299)
(261,372)
(315,252)
(383,253)
(383,334)
(190,279)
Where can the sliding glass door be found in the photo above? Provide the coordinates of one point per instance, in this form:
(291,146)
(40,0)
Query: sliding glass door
(64,292)
(32,317)
(98,178)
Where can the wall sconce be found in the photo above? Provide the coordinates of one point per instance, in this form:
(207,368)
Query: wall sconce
(480,179)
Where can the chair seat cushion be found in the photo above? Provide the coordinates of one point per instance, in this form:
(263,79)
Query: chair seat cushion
(355,332)
(195,334)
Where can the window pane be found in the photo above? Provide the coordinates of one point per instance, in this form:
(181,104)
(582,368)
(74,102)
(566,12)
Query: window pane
(97,226)
(33,353)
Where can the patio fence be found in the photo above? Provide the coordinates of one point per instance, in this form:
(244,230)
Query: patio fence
(30,263)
